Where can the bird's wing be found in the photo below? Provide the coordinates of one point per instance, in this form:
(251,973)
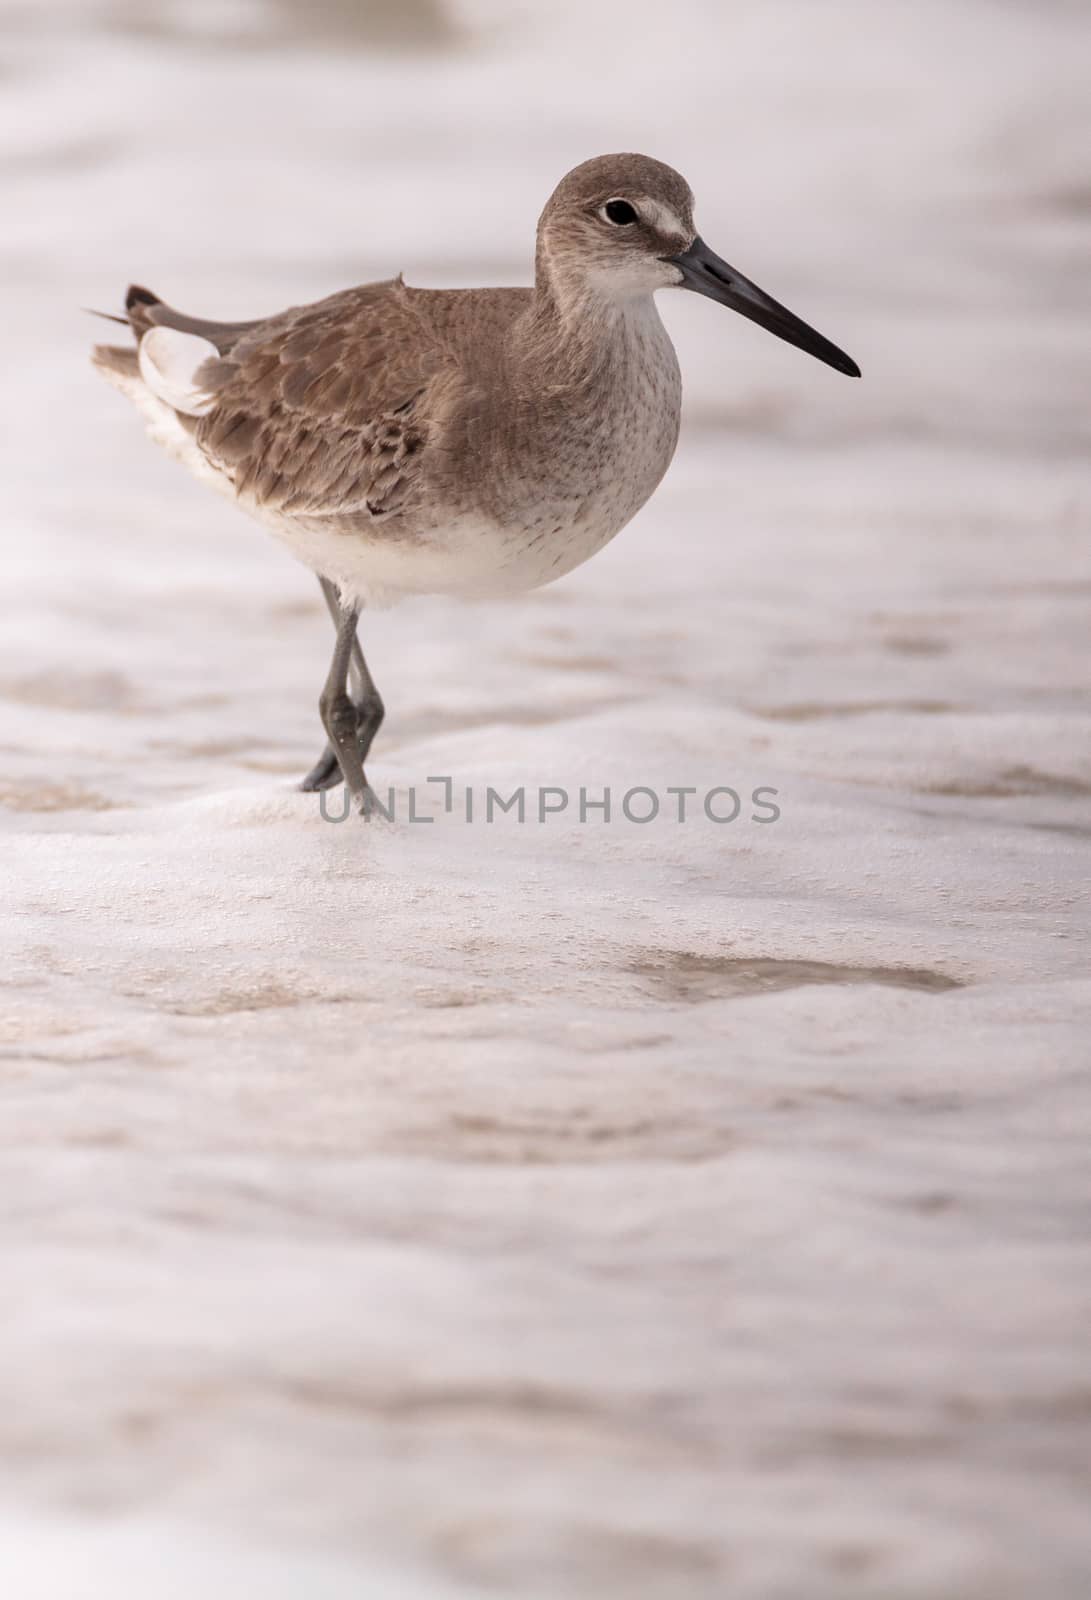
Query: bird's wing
(314,412)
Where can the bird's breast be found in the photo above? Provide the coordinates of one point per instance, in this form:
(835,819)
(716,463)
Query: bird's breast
(578,459)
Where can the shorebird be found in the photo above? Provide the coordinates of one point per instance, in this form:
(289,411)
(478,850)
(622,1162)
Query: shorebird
(469,441)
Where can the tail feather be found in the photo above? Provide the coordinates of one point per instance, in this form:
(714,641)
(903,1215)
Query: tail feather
(138,304)
(107,316)
(145,310)
(159,374)
(118,363)
(137,295)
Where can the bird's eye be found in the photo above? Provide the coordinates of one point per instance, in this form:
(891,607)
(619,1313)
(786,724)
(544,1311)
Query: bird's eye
(619,212)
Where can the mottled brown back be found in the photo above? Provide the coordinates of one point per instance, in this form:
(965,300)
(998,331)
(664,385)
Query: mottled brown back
(325,407)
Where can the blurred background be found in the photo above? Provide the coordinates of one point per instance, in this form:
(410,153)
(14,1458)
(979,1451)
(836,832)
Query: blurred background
(913,176)
(712,1223)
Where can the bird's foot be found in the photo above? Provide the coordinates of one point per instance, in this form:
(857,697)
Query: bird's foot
(325,774)
(329,771)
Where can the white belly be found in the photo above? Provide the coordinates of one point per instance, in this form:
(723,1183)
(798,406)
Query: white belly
(469,555)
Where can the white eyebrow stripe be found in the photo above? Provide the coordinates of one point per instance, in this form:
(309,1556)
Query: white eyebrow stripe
(662,217)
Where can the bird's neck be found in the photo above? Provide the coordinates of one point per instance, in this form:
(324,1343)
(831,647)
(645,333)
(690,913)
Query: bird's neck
(580,338)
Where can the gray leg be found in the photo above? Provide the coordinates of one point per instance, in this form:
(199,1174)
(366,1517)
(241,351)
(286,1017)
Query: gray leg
(350,730)
(367,701)
(338,711)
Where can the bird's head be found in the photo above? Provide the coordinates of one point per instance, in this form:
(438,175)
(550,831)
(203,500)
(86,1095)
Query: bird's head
(622,226)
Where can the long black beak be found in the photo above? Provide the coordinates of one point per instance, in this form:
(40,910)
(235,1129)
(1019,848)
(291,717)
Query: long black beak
(703,270)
